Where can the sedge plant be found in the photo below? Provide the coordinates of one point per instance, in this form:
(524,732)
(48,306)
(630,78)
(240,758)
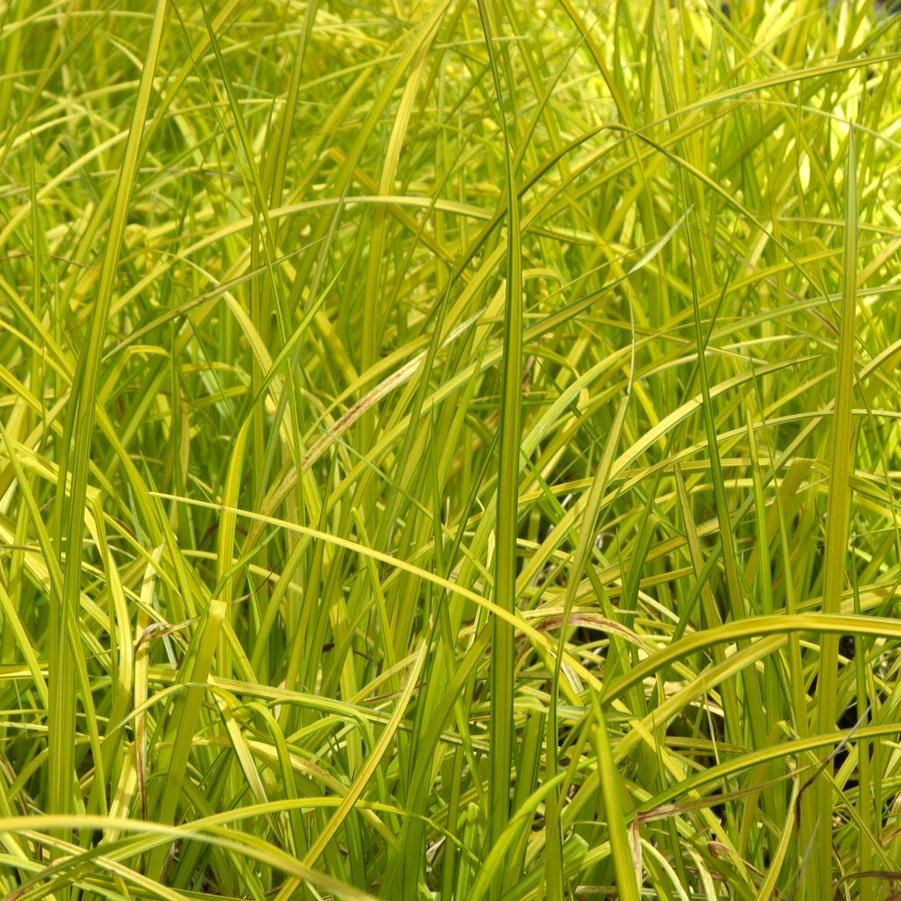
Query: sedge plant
(450,449)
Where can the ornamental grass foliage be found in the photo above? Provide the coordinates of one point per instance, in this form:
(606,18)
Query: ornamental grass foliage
(450,449)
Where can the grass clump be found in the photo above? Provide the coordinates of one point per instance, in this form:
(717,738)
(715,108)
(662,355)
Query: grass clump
(450,450)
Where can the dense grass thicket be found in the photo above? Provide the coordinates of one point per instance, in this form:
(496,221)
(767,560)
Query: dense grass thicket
(450,449)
